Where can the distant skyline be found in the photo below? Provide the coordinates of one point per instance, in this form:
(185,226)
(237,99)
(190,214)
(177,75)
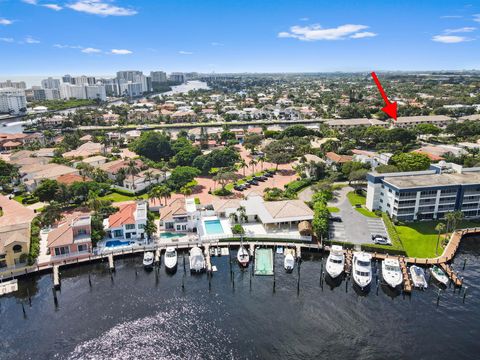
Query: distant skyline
(95,37)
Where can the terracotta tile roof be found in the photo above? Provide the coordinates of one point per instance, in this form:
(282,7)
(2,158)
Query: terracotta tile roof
(338,158)
(431,156)
(63,234)
(175,208)
(69,179)
(125,215)
(14,213)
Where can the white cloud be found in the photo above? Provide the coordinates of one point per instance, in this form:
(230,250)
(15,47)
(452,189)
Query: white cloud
(121,52)
(63,46)
(304,19)
(5,21)
(97,7)
(450,39)
(31,40)
(216,44)
(8,40)
(316,32)
(466,29)
(31,2)
(361,35)
(90,50)
(53,7)
(476,17)
(181,52)
(451,17)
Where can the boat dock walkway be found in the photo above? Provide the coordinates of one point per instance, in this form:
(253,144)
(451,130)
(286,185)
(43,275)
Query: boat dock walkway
(451,274)
(407,282)
(348,261)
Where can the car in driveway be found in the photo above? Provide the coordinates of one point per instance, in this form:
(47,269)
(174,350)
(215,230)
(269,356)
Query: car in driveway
(380,240)
(335,218)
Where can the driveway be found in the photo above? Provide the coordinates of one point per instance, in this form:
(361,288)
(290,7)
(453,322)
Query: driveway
(355,227)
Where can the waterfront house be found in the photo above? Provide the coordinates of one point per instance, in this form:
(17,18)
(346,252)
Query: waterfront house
(128,223)
(15,222)
(144,179)
(94,161)
(32,175)
(180,215)
(85,150)
(71,238)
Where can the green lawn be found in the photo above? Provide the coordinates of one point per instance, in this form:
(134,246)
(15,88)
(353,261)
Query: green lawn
(419,239)
(18,198)
(333,209)
(116,197)
(356,199)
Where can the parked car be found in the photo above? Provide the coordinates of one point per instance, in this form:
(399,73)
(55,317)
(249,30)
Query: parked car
(260,178)
(380,240)
(263,178)
(267,174)
(253,182)
(239,187)
(335,218)
(247,185)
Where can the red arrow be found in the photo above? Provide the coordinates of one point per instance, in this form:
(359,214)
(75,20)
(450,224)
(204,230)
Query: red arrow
(390,108)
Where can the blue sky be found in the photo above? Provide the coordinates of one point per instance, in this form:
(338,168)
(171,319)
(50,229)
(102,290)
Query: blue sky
(53,37)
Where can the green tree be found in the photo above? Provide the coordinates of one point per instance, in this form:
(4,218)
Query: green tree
(410,161)
(440,228)
(153,145)
(252,141)
(46,190)
(181,176)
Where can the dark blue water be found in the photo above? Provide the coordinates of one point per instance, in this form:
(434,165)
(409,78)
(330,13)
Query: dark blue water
(145,316)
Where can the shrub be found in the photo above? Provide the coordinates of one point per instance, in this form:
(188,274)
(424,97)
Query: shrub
(34,241)
(238,229)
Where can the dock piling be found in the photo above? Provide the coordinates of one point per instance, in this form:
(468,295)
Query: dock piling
(465,294)
(24,312)
(89,280)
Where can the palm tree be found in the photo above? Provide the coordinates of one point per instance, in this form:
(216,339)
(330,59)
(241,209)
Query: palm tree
(261,159)
(252,163)
(165,192)
(105,142)
(186,191)
(243,165)
(155,194)
(148,177)
(233,217)
(440,228)
(132,169)
(242,214)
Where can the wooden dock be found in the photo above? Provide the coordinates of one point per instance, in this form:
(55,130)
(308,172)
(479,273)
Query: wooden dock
(348,261)
(407,282)
(111,263)
(451,274)
(56,276)
(208,260)
(157,256)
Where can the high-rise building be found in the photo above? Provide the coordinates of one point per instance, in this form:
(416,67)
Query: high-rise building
(111,87)
(96,92)
(83,80)
(158,76)
(131,88)
(129,75)
(177,77)
(12,100)
(40,94)
(13,84)
(67,79)
(68,91)
(51,83)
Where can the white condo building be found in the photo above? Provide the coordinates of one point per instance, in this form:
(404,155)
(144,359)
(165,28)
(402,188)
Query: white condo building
(12,100)
(51,83)
(96,92)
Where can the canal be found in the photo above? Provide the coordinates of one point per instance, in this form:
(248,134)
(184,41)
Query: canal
(136,314)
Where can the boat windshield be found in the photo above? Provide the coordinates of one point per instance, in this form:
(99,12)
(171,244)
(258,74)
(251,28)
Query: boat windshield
(336,261)
(170,254)
(363,263)
(362,273)
(391,268)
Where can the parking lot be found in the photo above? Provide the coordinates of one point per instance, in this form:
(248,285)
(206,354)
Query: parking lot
(355,227)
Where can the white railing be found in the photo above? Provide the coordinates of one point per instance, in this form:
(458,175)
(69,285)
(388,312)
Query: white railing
(206,238)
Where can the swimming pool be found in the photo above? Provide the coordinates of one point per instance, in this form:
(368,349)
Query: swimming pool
(117,243)
(171,235)
(213,227)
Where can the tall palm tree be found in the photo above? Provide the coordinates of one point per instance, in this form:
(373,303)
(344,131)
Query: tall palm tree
(261,160)
(132,169)
(243,165)
(186,191)
(148,177)
(165,192)
(242,214)
(252,163)
(105,142)
(440,228)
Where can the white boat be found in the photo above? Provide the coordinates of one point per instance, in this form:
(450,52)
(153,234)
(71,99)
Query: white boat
(335,261)
(171,258)
(362,269)
(289,262)
(148,258)
(391,272)
(196,259)
(418,277)
(439,274)
(243,257)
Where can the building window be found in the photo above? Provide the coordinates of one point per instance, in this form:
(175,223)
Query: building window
(63,250)
(117,233)
(130,226)
(82,247)
(17,248)
(141,226)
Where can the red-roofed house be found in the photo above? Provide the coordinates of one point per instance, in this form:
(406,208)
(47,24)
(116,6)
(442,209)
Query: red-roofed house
(71,238)
(333,159)
(128,222)
(69,179)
